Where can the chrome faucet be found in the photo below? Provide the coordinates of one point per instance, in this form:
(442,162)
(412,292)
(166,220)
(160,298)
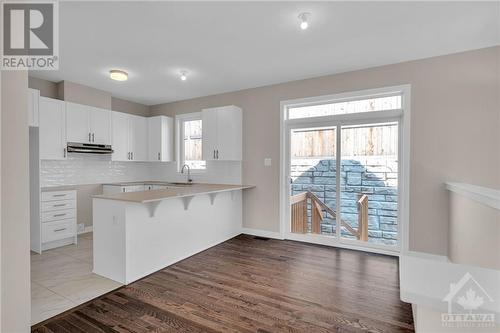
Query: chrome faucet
(189,180)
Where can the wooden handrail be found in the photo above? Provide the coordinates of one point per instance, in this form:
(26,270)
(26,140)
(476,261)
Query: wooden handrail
(299,215)
(363,217)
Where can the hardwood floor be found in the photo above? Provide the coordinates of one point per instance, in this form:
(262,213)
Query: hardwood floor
(253,285)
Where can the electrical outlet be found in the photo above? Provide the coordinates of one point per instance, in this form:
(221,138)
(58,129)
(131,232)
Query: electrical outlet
(267,161)
(81,227)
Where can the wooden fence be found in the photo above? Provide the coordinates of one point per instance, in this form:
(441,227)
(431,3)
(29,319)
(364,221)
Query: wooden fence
(356,141)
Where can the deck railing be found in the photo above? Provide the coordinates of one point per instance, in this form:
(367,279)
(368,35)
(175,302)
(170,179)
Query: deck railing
(299,205)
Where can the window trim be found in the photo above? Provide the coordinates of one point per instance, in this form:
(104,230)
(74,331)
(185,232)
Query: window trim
(179,132)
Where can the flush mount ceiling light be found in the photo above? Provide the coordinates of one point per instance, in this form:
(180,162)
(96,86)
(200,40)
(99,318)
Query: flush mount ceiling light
(183,75)
(303,17)
(118,75)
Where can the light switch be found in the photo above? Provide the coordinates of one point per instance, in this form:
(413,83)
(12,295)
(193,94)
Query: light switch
(267,162)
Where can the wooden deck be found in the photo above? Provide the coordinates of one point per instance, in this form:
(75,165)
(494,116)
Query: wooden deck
(253,285)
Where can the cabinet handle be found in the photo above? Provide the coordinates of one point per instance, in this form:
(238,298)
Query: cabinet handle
(64,152)
(62,229)
(58,195)
(123,189)
(89,138)
(159,158)
(93,138)
(59,215)
(132,155)
(217,153)
(60,205)
(214,154)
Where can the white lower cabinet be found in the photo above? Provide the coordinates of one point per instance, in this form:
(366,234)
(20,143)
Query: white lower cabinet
(57,219)
(57,230)
(111,189)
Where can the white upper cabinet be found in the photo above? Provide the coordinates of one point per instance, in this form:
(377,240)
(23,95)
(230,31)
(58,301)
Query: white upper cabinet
(161,138)
(138,138)
(130,137)
(222,137)
(33,96)
(77,123)
(100,126)
(229,136)
(120,129)
(87,124)
(209,134)
(52,131)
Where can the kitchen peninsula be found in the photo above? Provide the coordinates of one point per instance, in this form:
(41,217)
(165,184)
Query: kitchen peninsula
(138,233)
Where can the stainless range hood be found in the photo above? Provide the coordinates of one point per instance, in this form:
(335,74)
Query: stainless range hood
(88,148)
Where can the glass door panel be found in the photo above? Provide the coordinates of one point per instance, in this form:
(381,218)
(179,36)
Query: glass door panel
(369,183)
(313,181)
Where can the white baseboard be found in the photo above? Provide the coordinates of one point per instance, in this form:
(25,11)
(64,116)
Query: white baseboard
(87,229)
(262,233)
(425,255)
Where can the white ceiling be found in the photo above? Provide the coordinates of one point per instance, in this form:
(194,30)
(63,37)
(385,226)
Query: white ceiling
(228,46)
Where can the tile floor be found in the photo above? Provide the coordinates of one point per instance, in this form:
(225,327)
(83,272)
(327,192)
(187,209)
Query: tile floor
(62,278)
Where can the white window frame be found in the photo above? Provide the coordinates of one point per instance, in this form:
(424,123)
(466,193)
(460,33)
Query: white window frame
(402,116)
(179,135)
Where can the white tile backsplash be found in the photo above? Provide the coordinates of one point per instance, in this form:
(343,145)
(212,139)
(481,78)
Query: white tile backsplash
(90,169)
(221,172)
(95,169)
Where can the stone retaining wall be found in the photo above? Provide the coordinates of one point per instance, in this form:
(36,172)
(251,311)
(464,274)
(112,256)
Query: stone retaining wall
(375,176)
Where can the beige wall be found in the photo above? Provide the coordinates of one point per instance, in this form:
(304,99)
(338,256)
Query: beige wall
(78,93)
(454,133)
(15,244)
(47,88)
(474,233)
(121,105)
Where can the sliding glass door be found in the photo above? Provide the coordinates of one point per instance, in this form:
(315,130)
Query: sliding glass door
(313,180)
(343,175)
(369,182)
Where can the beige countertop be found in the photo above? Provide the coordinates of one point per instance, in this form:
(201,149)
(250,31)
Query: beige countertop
(147,182)
(174,192)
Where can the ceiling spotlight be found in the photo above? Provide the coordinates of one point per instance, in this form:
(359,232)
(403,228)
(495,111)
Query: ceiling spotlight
(118,75)
(183,75)
(303,20)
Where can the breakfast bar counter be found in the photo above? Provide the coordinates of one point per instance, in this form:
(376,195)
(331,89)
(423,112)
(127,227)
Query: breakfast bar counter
(173,191)
(138,233)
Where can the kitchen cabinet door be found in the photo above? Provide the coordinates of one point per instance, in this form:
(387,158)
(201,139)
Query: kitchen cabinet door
(155,136)
(161,139)
(52,131)
(33,96)
(138,138)
(209,133)
(100,126)
(229,137)
(77,123)
(120,136)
